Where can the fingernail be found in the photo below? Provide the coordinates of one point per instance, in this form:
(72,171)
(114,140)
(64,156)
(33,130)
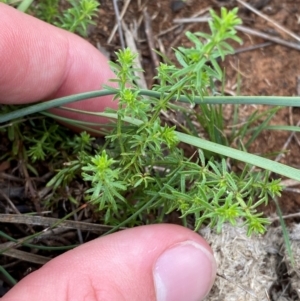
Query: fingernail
(185,272)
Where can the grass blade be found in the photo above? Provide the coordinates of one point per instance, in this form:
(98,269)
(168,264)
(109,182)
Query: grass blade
(267,100)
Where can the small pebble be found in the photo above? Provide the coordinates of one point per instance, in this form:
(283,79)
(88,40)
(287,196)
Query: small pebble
(177,5)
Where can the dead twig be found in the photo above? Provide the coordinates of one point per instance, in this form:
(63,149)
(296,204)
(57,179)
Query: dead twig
(149,34)
(9,177)
(285,216)
(50,222)
(199,13)
(280,27)
(25,256)
(79,233)
(116,8)
(253,47)
(280,41)
(113,32)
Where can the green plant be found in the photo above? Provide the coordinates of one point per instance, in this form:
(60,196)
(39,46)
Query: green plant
(75,18)
(141,171)
(147,153)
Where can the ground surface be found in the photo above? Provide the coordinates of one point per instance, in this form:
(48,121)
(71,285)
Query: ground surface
(271,69)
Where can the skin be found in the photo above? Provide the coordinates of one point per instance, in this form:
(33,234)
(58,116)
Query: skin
(39,61)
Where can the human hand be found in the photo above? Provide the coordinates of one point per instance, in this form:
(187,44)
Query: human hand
(158,262)
(40,61)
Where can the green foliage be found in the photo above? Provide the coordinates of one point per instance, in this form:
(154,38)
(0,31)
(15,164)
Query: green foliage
(39,141)
(75,17)
(199,63)
(200,69)
(141,173)
(213,194)
(143,157)
(79,16)
(47,10)
(104,176)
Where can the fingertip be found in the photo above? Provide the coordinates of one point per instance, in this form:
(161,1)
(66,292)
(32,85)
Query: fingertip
(186,271)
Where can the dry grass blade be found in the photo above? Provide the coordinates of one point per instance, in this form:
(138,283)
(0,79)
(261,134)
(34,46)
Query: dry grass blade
(113,32)
(149,33)
(199,13)
(22,255)
(268,37)
(49,222)
(118,17)
(269,20)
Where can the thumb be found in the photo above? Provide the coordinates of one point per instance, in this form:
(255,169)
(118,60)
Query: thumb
(157,262)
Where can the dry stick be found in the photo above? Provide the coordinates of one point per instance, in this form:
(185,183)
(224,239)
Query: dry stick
(79,233)
(9,177)
(199,13)
(289,183)
(269,20)
(149,34)
(119,24)
(113,32)
(161,46)
(268,37)
(25,256)
(50,222)
(242,287)
(253,47)
(245,30)
(285,216)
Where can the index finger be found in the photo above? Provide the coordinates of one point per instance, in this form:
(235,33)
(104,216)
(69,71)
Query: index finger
(40,61)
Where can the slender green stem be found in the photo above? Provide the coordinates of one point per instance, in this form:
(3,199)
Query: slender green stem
(11,279)
(266,100)
(160,106)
